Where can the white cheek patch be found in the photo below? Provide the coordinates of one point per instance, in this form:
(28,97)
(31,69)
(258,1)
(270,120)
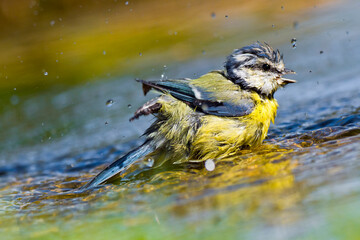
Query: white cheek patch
(264,81)
(240,74)
(270,84)
(268,87)
(255,78)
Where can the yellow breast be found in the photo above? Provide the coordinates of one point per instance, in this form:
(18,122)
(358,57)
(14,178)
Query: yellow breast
(217,137)
(262,115)
(221,136)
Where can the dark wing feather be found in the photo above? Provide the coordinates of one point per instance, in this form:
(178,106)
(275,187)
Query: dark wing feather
(199,99)
(179,89)
(226,109)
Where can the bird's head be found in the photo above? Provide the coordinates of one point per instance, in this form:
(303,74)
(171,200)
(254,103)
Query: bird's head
(257,67)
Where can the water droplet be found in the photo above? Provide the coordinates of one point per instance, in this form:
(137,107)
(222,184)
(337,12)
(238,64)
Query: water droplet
(109,102)
(293,42)
(213,15)
(46,73)
(126,3)
(104,52)
(14,89)
(129,106)
(52,22)
(204,107)
(163,76)
(296,24)
(273,25)
(42,124)
(149,162)
(140,54)
(203,52)
(210,165)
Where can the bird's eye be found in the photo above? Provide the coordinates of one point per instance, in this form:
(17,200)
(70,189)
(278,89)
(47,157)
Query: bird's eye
(266,67)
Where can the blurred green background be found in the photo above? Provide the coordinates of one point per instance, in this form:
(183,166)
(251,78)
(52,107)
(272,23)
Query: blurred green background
(61,43)
(48,47)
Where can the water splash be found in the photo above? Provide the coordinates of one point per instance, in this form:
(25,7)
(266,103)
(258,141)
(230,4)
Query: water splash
(109,102)
(210,165)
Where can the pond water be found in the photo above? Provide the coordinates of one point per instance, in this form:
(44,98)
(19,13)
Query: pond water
(61,124)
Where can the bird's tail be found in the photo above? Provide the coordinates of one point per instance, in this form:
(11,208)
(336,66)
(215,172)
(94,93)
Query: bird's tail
(120,165)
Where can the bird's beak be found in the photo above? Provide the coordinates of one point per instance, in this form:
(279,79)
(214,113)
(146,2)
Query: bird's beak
(286,81)
(283,81)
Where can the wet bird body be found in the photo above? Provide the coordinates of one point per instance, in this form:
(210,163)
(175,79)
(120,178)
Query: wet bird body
(212,117)
(192,135)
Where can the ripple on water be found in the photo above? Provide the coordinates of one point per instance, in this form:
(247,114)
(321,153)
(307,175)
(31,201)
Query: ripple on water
(51,187)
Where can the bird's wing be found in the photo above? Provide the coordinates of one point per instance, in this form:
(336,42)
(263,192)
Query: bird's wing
(150,107)
(200,99)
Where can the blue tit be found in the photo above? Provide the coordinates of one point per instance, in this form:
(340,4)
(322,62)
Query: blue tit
(212,117)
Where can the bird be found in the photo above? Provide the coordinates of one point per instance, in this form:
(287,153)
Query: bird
(212,117)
